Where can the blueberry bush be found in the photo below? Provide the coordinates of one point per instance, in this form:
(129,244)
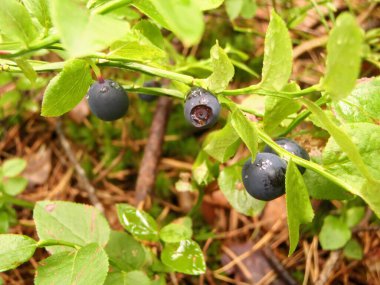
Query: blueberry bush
(83,49)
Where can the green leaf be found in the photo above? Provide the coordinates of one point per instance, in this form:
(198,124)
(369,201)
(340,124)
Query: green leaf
(277,65)
(16,23)
(15,185)
(366,139)
(323,189)
(209,4)
(202,169)
(147,8)
(88,265)
(175,232)
(222,144)
(66,89)
(27,69)
(125,252)
(185,256)
(298,204)
(344,49)
(83,33)
(246,131)
(277,109)
(15,250)
(233,8)
(127,278)
(39,9)
(76,223)
(353,216)
(362,105)
(334,233)
(140,224)
(151,32)
(353,250)
(249,9)
(231,185)
(4,222)
(223,70)
(13,167)
(183,17)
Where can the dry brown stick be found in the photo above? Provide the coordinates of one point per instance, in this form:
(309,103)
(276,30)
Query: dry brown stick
(328,268)
(78,169)
(152,152)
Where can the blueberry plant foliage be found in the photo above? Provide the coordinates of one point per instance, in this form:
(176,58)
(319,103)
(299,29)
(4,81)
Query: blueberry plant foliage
(90,36)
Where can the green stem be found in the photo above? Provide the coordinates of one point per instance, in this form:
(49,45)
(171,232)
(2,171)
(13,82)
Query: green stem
(250,111)
(53,242)
(110,6)
(155,91)
(18,202)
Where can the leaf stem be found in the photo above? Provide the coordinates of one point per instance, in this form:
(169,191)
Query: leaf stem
(17,201)
(155,91)
(109,6)
(53,242)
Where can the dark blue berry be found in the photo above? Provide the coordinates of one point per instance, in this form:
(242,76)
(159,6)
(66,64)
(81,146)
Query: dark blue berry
(292,147)
(147,97)
(107,100)
(264,179)
(202,108)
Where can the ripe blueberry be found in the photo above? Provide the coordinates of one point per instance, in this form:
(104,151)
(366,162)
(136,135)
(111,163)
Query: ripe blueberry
(147,97)
(264,179)
(292,147)
(201,108)
(107,100)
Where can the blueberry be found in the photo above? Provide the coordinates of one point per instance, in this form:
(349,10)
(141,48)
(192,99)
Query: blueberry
(201,108)
(265,178)
(107,100)
(147,97)
(292,147)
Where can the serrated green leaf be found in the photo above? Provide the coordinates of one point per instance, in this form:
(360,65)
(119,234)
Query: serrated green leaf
(366,139)
(88,265)
(16,23)
(344,49)
(15,185)
(362,105)
(222,144)
(334,233)
(15,250)
(39,9)
(278,58)
(353,250)
(185,256)
(175,232)
(83,33)
(139,223)
(125,252)
(231,186)
(13,167)
(127,278)
(223,70)
(298,206)
(67,88)
(76,223)
(246,131)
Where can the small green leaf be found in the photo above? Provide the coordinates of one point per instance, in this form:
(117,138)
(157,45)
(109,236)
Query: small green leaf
(202,169)
(4,222)
(76,223)
(184,18)
(353,250)
(15,250)
(88,265)
(223,70)
(362,105)
(334,233)
(185,256)
(151,32)
(13,167)
(246,130)
(16,23)
(132,277)
(249,9)
(231,185)
(344,49)
(39,9)
(83,33)
(298,204)
(27,69)
(233,8)
(125,252)
(209,4)
(278,58)
(175,232)
(140,224)
(15,185)
(66,89)
(222,144)
(353,216)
